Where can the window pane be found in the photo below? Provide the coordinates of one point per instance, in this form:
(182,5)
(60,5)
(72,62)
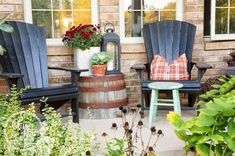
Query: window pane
(43,18)
(82,17)
(159,4)
(82,4)
(221,21)
(232,3)
(232,21)
(151,16)
(65,14)
(167,15)
(139,12)
(62,22)
(41,4)
(221,3)
(133,24)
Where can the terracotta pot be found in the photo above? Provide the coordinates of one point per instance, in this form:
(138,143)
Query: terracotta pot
(98,70)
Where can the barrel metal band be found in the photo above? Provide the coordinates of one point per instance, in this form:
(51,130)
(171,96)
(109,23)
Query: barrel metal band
(101,78)
(111,104)
(105,89)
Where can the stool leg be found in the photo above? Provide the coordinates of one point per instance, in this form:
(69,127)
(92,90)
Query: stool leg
(153,107)
(176,101)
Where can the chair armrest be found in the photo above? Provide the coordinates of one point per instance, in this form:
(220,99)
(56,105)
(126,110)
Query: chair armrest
(202,67)
(69,69)
(139,68)
(12,78)
(75,72)
(11,75)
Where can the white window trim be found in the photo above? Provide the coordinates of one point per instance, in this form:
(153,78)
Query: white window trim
(132,40)
(218,36)
(58,42)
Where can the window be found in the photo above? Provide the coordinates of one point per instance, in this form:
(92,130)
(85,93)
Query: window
(57,16)
(222,19)
(135,13)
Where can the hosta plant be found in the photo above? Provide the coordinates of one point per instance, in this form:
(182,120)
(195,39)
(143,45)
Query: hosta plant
(212,132)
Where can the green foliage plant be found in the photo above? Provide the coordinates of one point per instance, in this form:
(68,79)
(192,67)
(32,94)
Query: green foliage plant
(22,133)
(100,58)
(6,28)
(212,132)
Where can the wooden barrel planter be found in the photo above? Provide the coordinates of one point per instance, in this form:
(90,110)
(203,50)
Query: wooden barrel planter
(104,94)
(107,91)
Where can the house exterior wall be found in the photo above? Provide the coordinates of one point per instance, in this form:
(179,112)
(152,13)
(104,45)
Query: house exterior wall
(214,53)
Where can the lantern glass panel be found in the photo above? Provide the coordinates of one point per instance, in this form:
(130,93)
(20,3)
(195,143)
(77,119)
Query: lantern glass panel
(112,49)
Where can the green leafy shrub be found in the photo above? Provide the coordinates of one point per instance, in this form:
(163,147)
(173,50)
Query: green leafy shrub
(22,132)
(101,58)
(212,132)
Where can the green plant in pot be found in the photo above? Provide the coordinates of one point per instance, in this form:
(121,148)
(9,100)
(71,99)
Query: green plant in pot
(99,63)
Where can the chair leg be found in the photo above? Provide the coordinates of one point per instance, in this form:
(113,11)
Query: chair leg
(176,101)
(191,99)
(142,101)
(153,107)
(74,106)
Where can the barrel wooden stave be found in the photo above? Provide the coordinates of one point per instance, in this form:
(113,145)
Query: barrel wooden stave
(104,92)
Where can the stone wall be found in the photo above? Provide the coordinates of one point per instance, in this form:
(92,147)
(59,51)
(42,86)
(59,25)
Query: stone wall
(214,53)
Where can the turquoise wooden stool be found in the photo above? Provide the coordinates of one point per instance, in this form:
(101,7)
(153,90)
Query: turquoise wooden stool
(155,87)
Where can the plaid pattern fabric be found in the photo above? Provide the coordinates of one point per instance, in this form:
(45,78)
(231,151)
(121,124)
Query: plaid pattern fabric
(177,70)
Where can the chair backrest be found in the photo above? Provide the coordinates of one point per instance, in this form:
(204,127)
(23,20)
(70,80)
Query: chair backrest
(26,53)
(170,39)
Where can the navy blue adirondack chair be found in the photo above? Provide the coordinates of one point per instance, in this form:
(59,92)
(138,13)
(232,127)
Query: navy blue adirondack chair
(170,39)
(25,64)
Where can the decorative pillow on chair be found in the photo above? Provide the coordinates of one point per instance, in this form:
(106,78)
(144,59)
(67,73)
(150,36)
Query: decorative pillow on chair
(177,70)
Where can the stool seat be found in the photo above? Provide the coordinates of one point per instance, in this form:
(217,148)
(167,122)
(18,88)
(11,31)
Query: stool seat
(165,85)
(155,101)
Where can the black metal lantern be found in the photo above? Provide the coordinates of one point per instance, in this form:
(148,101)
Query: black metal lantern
(111,45)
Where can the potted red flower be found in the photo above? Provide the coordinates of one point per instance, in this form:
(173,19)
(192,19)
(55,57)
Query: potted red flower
(82,38)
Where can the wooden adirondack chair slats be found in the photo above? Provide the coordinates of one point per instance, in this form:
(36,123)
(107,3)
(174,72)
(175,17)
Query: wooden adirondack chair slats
(26,55)
(170,39)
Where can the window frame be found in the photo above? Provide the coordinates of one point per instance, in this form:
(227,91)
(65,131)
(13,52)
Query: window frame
(58,41)
(131,40)
(214,36)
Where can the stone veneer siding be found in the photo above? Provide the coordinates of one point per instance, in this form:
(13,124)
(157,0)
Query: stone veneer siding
(214,53)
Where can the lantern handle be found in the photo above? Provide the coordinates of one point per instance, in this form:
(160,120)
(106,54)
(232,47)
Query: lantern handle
(109,29)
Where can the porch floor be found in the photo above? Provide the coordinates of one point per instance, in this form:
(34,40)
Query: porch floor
(167,145)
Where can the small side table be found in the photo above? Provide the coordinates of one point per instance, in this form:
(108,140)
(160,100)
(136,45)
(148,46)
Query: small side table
(175,102)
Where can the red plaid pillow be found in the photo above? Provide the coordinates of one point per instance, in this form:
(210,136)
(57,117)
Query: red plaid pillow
(177,70)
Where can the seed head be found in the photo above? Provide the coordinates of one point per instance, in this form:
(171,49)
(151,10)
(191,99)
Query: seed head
(133,110)
(114,126)
(153,130)
(151,149)
(140,123)
(159,132)
(130,131)
(104,134)
(124,111)
(141,114)
(120,108)
(138,106)
(88,153)
(126,125)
